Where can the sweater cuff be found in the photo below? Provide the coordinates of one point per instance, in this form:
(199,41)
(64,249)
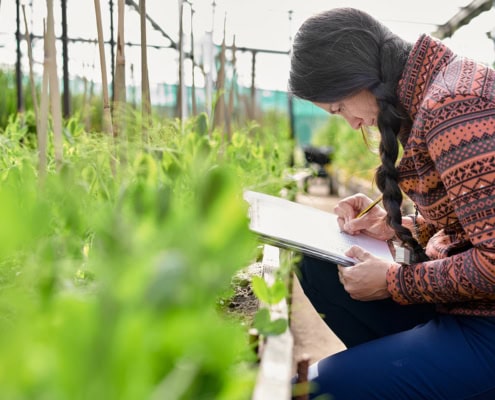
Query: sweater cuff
(394,278)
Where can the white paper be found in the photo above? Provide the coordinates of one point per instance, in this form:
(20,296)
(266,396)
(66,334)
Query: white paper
(307,229)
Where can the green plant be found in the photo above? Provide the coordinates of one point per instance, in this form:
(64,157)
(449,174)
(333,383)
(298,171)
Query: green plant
(109,278)
(269,295)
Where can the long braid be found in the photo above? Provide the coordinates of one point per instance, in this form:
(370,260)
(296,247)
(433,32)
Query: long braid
(389,124)
(387,177)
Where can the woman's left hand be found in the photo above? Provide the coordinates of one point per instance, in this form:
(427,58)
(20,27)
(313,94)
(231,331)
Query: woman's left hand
(366,280)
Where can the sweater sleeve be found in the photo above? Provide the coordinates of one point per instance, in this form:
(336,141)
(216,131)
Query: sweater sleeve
(462,148)
(421,230)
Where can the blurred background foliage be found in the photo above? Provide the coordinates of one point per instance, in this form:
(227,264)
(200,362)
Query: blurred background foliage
(353,155)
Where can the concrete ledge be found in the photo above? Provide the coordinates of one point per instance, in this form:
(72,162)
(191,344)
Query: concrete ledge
(275,370)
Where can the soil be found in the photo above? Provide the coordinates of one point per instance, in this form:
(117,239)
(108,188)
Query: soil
(243,303)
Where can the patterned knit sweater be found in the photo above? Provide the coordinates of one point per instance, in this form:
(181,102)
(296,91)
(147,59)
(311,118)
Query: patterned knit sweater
(448,171)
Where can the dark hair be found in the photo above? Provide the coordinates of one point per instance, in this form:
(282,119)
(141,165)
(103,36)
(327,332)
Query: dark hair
(340,52)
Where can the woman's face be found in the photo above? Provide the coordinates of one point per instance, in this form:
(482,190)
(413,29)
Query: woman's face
(359,110)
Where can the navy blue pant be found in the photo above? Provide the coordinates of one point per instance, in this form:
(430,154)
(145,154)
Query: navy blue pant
(397,352)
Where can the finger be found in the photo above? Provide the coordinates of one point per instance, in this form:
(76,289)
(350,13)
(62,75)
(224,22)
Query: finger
(358,253)
(341,274)
(358,225)
(354,226)
(345,209)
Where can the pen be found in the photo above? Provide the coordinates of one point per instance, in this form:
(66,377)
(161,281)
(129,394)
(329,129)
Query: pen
(370,206)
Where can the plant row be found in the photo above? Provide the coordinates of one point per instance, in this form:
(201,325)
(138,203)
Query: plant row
(112,264)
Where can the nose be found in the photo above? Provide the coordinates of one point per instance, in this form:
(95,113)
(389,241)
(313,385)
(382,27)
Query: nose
(354,122)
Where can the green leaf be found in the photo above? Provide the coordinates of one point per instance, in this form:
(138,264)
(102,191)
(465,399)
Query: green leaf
(261,319)
(276,327)
(265,326)
(260,289)
(278,292)
(269,294)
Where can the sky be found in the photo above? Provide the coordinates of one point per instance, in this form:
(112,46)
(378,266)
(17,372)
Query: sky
(262,24)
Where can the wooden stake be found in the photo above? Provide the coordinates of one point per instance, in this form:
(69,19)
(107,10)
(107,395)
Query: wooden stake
(107,115)
(230,110)
(44,104)
(219,116)
(253,86)
(31,74)
(120,88)
(181,95)
(54,86)
(302,378)
(145,83)
(193,88)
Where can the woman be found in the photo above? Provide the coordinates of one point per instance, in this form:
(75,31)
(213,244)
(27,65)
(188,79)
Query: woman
(423,329)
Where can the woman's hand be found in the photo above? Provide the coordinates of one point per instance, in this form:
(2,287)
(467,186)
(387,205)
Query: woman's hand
(372,223)
(367,279)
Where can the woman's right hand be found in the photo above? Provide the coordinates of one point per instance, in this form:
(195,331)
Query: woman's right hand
(372,223)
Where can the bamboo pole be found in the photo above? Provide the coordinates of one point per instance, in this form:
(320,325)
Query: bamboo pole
(87,113)
(209,51)
(44,103)
(31,74)
(112,52)
(193,88)
(84,106)
(230,110)
(85,100)
(65,57)
(145,83)
(181,95)
(107,115)
(253,86)
(18,69)
(119,81)
(219,116)
(133,87)
(54,86)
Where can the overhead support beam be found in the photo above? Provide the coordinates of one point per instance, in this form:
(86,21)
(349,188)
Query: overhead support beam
(463,17)
(254,50)
(155,25)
